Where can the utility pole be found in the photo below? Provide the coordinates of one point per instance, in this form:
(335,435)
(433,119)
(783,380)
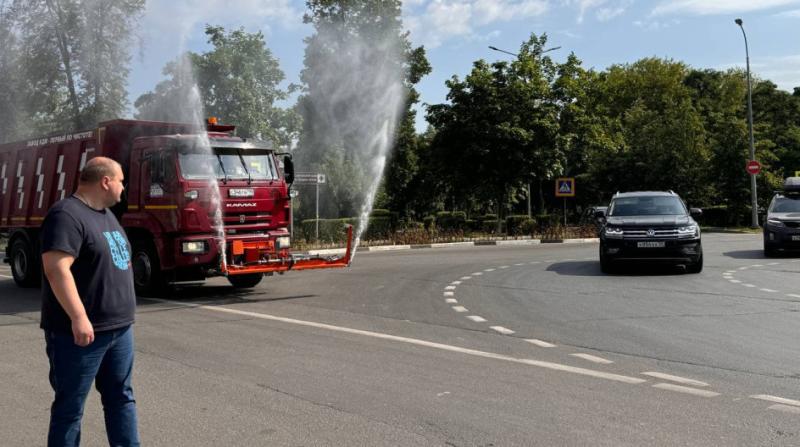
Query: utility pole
(753,192)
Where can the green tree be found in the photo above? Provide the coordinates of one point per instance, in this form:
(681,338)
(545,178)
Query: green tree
(239,82)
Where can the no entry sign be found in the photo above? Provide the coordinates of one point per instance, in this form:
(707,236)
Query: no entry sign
(753,167)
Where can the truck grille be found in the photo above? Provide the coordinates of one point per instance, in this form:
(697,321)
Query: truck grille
(239,219)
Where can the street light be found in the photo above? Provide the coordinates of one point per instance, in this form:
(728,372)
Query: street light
(517,55)
(753,192)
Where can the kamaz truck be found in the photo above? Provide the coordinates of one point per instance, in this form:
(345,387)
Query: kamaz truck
(199,201)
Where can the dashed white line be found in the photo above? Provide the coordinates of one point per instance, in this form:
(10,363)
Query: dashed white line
(730,271)
(749,285)
(448,293)
(535,262)
(776,399)
(477,319)
(793,295)
(774,263)
(460,309)
(464,278)
(568,260)
(455,283)
(6,276)
(592,358)
(540,343)
(743,268)
(768,290)
(503,267)
(756,265)
(451,301)
(685,390)
(519,264)
(785,408)
(488,270)
(477,274)
(502,330)
(588,259)
(735,281)
(672,378)
(450,288)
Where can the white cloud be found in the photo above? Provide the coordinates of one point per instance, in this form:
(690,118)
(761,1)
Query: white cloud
(437,21)
(655,25)
(605,9)
(795,13)
(711,7)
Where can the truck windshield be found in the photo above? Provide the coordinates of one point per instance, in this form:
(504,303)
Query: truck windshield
(785,205)
(647,206)
(257,166)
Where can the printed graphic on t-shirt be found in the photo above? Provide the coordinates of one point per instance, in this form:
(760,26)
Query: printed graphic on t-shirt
(118,248)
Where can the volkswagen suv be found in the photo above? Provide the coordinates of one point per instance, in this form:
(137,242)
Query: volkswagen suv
(650,226)
(782,226)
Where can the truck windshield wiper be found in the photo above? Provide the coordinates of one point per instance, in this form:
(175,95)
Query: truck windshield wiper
(222,166)
(249,178)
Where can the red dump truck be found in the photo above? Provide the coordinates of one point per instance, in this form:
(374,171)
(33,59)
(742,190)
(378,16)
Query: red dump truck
(199,202)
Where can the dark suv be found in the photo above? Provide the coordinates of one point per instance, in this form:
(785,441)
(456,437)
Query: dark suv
(650,226)
(782,226)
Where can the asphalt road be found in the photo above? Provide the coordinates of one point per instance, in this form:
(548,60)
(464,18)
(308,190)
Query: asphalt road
(478,346)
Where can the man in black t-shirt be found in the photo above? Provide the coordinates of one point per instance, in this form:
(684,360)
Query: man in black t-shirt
(88,306)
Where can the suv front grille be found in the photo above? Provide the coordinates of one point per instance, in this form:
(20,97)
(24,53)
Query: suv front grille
(642,233)
(791,224)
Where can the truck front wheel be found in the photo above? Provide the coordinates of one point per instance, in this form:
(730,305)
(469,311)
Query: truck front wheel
(245,281)
(147,275)
(25,265)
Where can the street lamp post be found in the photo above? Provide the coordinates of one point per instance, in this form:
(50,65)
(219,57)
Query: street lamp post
(530,214)
(753,192)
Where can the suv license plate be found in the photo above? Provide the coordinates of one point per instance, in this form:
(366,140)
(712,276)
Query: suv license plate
(796,237)
(650,244)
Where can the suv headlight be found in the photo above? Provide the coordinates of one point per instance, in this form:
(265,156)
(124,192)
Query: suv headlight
(193,247)
(775,223)
(283,242)
(689,230)
(613,232)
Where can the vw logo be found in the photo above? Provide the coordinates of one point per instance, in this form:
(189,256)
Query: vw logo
(242,218)
(651,233)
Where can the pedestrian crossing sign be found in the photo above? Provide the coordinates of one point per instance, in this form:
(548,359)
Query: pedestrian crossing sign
(565,187)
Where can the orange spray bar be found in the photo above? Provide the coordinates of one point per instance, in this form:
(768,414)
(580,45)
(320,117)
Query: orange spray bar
(294,262)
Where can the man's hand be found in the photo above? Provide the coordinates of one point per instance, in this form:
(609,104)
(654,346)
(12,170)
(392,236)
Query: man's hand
(83,331)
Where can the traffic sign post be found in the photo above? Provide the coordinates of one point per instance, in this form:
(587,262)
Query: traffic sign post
(565,187)
(753,167)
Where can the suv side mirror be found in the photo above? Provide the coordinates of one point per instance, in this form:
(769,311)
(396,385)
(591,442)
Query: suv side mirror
(695,212)
(600,214)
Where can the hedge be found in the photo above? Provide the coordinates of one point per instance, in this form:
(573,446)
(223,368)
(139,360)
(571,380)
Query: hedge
(518,225)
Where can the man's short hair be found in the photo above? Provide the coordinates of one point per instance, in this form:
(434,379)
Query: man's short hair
(96,169)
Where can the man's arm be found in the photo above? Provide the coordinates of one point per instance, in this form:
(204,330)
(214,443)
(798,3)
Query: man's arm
(56,270)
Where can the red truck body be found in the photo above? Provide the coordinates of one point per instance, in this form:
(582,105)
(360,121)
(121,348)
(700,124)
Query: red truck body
(171,173)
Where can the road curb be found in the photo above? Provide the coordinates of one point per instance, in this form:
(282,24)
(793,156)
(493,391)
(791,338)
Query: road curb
(510,243)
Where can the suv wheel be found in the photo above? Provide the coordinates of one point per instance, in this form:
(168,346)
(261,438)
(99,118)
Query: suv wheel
(606,265)
(695,267)
(770,252)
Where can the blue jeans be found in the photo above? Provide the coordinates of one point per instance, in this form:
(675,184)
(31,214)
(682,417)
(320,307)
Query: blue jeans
(108,362)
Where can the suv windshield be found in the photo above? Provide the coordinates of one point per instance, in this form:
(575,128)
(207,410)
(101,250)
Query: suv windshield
(259,166)
(646,206)
(785,205)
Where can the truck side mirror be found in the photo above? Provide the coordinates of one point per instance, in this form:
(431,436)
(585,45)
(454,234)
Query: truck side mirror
(288,169)
(696,212)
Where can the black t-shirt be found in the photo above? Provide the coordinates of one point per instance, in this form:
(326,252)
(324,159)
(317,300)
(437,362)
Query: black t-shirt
(102,267)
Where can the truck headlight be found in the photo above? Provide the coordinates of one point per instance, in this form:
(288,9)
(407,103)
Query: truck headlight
(283,242)
(689,230)
(193,247)
(613,232)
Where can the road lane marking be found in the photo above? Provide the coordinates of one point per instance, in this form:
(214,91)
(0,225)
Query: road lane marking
(776,399)
(793,295)
(756,265)
(785,408)
(730,271)
(743,268)
(749,285)
(449,293)
(460,309)
(477,319)
(415,341)
(477,274)
(450,288)
(503,267)
(451,301)
(685,390)
(773,263)
(502,330)
(464,278)
(768,290)
(735,281)
(488,270)
(6,276)
(592,358)
(540,343)
(455,283)
(519,264)
(534,262)
(672,378)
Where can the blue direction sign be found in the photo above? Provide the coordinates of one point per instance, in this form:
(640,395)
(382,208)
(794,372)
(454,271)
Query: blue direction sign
(565,187)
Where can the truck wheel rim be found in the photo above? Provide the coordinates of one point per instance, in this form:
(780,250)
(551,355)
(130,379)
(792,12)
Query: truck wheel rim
(142,270)
(20,264)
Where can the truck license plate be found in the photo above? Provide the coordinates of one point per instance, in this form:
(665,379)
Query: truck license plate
(650,244)
(796,237)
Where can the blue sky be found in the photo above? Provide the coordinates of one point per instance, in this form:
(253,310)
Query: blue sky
(455,33)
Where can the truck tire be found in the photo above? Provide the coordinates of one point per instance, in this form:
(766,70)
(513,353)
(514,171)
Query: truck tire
(25,264)
(148,278)
(245,281)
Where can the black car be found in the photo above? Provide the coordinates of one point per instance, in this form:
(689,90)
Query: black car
(650,226)
(782,226)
